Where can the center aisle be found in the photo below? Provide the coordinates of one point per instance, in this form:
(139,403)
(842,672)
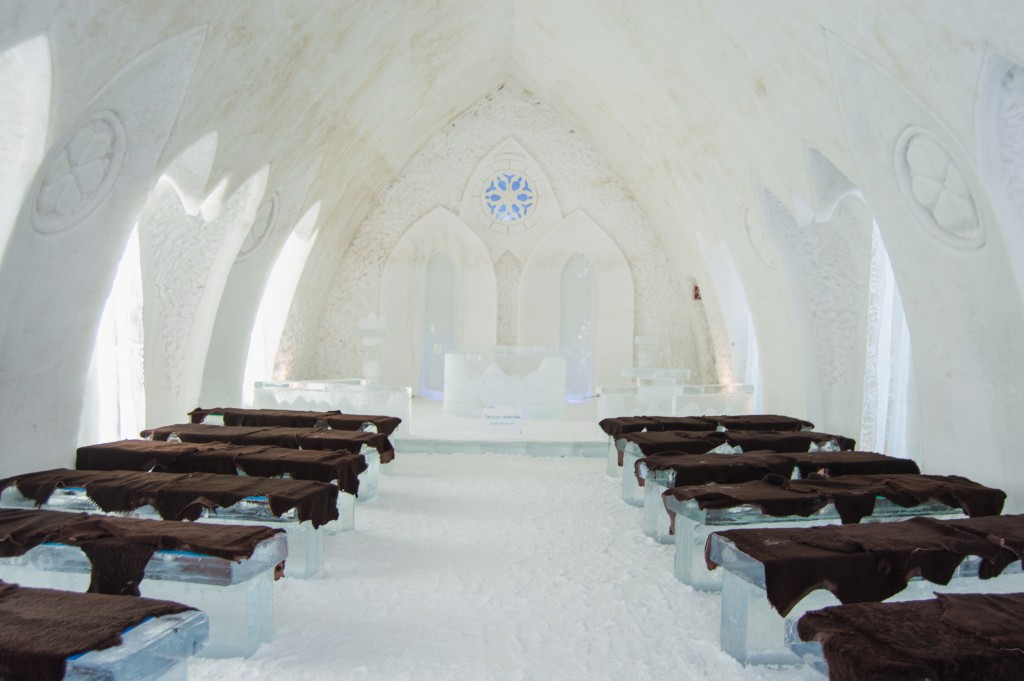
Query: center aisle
(479,567)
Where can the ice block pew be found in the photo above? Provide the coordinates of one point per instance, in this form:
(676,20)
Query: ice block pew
(48,635)
(300,507)
(788,441)
(778,572)
(767,422)
(615,427)
(293,418)
(660,472)
(375,447)
(638,445)
(342,468)
(635,446)
(618,426)
(698,510)
(227,571)
(947,638)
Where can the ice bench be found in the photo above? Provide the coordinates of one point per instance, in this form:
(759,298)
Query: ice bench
(774,573)
(661,472)
(293,418)
(636,446)
(49,635)
(374,447)
(950,637)
(342,468)
(615,427)
(300,507)
(699,510)
(227,571)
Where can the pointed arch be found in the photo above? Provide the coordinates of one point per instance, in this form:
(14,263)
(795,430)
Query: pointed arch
(612,294)
(405,272)
(246,283)
(62,255)
(186,260)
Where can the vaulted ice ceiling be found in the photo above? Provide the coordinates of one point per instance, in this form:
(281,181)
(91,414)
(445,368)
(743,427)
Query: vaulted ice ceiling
(737,125)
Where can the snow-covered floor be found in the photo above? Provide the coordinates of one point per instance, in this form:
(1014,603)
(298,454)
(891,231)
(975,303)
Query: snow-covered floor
(478,567)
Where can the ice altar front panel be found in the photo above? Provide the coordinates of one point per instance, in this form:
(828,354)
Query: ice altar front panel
(529,377)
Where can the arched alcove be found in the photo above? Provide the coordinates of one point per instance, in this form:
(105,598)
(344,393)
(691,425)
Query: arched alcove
(576,326)
(440,330)
(265,361)
(475,306)
(267,233)
(825,251)
(186,260)
(540,311)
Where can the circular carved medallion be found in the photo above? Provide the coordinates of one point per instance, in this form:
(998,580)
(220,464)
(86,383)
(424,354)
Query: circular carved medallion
(937,190)
(80,174)
(509,199)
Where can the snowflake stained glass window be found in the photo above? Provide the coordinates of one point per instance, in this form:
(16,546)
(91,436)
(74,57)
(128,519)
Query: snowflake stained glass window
(508,196)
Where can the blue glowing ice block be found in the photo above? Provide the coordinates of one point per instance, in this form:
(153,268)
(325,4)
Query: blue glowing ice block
(305,543)
(155,650)
(753,632)
(238,597)
(693,525)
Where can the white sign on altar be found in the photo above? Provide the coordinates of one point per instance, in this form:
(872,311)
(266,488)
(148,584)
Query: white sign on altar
(503,419)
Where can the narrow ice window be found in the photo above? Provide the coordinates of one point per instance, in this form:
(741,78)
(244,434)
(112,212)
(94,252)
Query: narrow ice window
(577,326)
(440,323)
(887,375)
(115,397)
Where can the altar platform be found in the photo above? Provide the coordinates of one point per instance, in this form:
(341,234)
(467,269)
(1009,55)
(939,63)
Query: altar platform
(527,424)
(431,431)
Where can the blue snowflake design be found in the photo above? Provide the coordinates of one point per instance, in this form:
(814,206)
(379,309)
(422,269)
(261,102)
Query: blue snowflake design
(509,197)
